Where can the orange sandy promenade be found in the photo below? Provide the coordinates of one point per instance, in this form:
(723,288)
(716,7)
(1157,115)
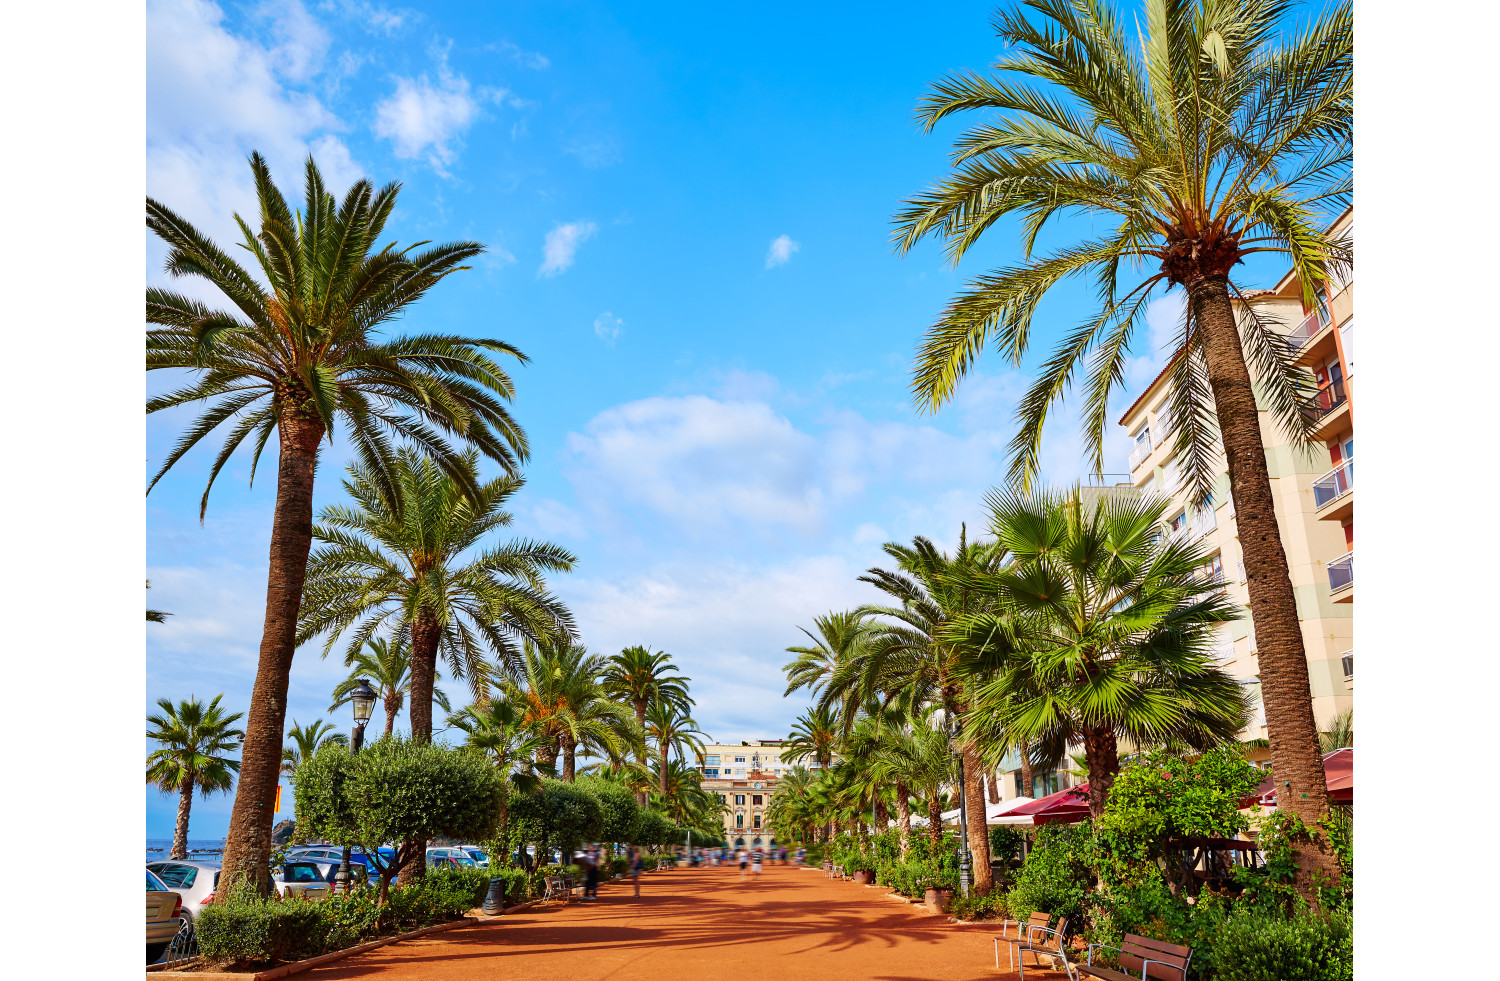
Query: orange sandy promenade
(701,925)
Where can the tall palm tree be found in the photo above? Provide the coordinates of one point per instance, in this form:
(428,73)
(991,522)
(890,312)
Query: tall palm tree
(307,740)
(814,734)
(304,344)
(640,677)
(386,665)
(418,562)
(671,728)
(561,696)
(837,640)
(1225,134)
(909,659)
(193,739)
(788,814)
(1104,630)
(918,759)
(499,729)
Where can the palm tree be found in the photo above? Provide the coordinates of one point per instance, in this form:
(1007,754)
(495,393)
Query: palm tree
(837,640)
(499,729)
(788,813)
(638,676)
(909,659)
(387,666)
(1103,630)
(671,727)
(1339,734)
(193,739)
(307,740)
(814,734)
(1223,136)
(920,761)
(155,616)
(416,562)
(561,696)
(299,348)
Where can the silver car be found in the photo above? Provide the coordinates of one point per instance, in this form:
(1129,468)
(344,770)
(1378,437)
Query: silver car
(301,879)
(195,882)
(163,907)
(328,859)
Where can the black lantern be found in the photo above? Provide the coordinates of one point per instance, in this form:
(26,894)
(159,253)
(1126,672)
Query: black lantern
(363,699)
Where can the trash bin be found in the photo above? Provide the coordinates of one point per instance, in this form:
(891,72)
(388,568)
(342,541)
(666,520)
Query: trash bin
(494,900)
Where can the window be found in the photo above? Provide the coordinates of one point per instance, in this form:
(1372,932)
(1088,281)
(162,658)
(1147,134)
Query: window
(755,799)
(1179,521)
(1213,568)
(710,771)
(711,760)
(739,820)
(1045,783)
(739,799)
(1206,520)
(757,822)
(739,759)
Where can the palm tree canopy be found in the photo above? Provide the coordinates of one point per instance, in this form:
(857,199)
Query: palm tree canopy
(307,740)
(814,734)
(193,739)
(499,728)
(386,665)
(672,728)
(640,677)
(1103,621)
(386,557)
(838,640)
(302,336)
(1221,134)
(559,694)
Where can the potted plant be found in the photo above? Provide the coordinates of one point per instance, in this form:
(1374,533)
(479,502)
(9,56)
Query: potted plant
(938,894)
(860,869)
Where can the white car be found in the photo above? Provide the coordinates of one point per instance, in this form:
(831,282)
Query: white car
(480,856)
(449,858)
(195,882)
(302,879)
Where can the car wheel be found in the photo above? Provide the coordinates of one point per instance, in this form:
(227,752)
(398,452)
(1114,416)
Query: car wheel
(185,932)
(154,952)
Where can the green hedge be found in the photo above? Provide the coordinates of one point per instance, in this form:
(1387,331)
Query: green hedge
(1270,948)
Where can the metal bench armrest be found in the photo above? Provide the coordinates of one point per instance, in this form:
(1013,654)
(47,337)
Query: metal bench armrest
(1106,947)
(1181,970)
(1041,929)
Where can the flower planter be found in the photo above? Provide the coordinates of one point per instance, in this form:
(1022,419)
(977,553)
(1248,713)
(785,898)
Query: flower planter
(863,878)
(938,899)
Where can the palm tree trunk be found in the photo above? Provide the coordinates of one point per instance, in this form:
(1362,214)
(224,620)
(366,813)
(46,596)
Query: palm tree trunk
(994,787)
(392,706)
(569,748)
(1028,779)
(640,720)
(1102,753)
(903,817)
(935,823)
(666,748)
(425,635)
(184,807)
(979,836)
(1286,692)
(247,846)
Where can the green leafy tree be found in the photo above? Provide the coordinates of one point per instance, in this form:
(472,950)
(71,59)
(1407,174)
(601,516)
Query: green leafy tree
(640,677)
(919,759)
(556,815)
(1201,133)
(618,810)
(498,728)
(192,740)
(418,562)
(836,642)
(386,665)
(397,790)
(814,735)
(563,699)
(1103,629)
(303,346)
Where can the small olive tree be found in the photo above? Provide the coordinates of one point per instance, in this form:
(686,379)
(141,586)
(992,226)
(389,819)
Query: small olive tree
(396,790)
(620,813)
(654,830)
(555,814)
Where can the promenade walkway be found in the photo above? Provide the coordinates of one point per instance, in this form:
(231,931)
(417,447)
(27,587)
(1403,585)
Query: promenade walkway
(700,925)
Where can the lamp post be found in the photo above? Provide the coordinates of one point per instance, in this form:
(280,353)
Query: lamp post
(965,878)
(363,700)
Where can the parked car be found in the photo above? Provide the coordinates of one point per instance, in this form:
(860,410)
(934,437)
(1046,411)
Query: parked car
(195,882)
(302,879)
(328,860)
(163,916)
(479,855)
(449,858)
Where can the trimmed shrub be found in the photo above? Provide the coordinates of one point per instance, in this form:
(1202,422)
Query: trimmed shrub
(991,907)
(516,882)
(619,813)
(1253,947)
(243,927)
(555,815)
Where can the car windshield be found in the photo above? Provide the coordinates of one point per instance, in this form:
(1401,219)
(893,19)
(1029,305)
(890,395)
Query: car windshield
(302,873)
(466,862)
(478,855)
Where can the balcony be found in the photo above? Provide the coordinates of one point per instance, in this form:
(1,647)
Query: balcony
(1333,493)
(1141,451)
(1306,330)
(1326,410)
(1341,578)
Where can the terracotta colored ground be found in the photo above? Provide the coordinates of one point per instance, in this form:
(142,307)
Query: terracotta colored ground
(701,925)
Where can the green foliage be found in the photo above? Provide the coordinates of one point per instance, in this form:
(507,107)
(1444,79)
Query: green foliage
(1057,874)
(1005,845)
(243,927)
(619,813)
(619,865)
(915,875)
(1257,947)
(557,814)
(654,830)
(397,790)
(991,907)
(516,882)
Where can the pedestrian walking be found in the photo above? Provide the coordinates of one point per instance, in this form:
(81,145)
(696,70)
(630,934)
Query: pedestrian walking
(636,867)
(801,855)
(591,874)
(756,858)
(744,860)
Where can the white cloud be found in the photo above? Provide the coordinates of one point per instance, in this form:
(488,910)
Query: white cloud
(561,245)
(373,17)
(420,116)
(870,533)
(534,60)
(780,252)
(608,327)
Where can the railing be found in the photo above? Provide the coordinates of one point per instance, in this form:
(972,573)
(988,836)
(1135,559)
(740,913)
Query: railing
(1324,402)
(1105,479)
(1334,484)
(1305,331)
(1142,449)
(1341,572)
(1347,658)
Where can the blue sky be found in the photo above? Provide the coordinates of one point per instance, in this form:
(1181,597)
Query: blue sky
(687,210)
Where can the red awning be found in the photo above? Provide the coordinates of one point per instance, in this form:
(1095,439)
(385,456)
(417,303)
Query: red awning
(1063,807)
(1338,766)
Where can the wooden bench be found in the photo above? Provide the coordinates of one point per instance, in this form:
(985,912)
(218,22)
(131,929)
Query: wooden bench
(1037,936)
(1152,958)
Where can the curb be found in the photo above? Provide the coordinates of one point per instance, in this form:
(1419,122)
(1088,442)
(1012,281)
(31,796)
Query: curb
(297,967)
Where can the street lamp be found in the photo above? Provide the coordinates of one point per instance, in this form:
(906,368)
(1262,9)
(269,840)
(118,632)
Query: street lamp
(363,699)
(965,878)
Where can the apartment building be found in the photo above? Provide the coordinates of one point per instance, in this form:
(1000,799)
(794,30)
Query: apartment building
(745,775)
(1313,491)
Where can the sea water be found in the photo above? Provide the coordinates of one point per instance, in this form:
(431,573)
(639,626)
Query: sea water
(199,849)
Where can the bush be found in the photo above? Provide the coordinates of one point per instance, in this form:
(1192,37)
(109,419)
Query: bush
(1258,947)
(619,813)
(619,865)
(516,883)
(1055,877)
(991,907)
(653,830)
(243,927)
(555,815)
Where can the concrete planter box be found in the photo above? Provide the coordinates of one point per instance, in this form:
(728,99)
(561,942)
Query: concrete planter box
(937,900)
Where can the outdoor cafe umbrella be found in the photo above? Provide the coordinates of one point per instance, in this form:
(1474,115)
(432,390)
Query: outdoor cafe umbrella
(1063,807)
(1338,766)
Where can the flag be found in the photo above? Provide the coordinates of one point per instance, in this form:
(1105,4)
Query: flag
(276,808)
